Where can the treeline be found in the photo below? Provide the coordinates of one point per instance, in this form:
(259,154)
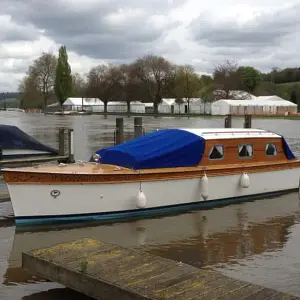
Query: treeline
(147,79)
(286,75)
(9,95)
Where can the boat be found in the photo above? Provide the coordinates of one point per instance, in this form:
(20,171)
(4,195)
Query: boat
(16,144)
(165,171)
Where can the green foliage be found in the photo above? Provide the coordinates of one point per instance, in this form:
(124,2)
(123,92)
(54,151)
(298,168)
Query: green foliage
(250,78)
(63,78)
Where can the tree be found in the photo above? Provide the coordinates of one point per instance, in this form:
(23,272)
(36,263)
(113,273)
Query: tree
(79,85)
(104,83)
(63,78)
(187,84)
(250,78)
(156,74)
(41,76)
(31,97)
(206,88)
(227,79)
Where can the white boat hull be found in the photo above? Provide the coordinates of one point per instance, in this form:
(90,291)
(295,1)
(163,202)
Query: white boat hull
(35,204)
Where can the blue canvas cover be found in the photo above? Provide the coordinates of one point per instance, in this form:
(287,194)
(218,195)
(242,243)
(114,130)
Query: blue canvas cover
(287,150)
(167,148)
(11,137)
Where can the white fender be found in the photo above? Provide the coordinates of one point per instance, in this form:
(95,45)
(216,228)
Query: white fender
(141,200)
(204,187)
(245,180)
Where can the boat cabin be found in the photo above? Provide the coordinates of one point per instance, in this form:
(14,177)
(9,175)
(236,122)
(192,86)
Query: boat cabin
(243,146)
(172,148)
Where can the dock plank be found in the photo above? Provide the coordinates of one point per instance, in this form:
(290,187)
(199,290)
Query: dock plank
(108,271)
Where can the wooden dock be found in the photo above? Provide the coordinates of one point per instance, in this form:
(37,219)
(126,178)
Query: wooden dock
(107,271)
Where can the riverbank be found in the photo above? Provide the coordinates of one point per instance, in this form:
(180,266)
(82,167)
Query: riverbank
(177,115)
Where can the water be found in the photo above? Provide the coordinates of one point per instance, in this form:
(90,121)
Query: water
(254,241)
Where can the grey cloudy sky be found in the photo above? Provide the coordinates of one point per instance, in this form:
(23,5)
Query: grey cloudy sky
(262,33)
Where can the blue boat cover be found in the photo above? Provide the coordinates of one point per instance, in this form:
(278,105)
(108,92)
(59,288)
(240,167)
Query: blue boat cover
(287,150)
(166,148)
(11,137)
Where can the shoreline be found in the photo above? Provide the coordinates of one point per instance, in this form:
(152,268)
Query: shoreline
(194,115)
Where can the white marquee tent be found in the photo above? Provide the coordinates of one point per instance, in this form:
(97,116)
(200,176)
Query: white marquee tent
(137,107)
(116,106)
(90,104)
(169,105)
(268,105)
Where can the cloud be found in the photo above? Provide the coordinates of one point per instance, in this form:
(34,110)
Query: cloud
(262,33)
(101,29)
(253,36)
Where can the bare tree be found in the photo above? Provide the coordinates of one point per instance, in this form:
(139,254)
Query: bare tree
(42,73)
(104,83)
(226,80)
(79,85)
(156,74)
(31,98)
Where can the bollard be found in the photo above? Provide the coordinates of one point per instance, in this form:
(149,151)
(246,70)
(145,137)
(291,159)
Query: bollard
(119,131)
(71,146)
(227,121)
(248,121)
(138,127)
(61,141)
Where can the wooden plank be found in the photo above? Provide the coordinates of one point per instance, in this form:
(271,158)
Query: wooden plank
(107,271)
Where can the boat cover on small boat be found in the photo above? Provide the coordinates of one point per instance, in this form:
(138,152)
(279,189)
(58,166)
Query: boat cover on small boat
(13,138)
(166,148)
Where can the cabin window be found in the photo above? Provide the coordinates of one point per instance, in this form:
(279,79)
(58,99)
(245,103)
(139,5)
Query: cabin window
(216,152)
(271,150)
(245,150)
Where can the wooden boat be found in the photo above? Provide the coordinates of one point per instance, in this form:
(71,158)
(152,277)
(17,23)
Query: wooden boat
(165,171)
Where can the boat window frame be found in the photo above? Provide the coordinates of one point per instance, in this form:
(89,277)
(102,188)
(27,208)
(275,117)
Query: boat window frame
(276,150)
(245,157)
(211,150)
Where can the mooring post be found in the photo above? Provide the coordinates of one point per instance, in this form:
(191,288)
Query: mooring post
(119,131)
(227,121)
(71,146)
(61,141)
(138,127)
(248,121)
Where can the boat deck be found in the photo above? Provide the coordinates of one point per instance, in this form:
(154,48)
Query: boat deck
(98,169)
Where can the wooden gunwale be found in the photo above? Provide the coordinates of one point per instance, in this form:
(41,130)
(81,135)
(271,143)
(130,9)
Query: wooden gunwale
(22,176)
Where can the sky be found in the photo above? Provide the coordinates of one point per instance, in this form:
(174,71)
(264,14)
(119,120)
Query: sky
(260,33)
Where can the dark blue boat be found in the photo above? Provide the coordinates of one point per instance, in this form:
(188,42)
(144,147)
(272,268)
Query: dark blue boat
(15,143)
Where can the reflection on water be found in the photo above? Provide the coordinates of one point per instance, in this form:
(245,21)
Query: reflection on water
(255,241)
(219,238)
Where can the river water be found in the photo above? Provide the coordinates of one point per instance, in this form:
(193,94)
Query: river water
(255,241)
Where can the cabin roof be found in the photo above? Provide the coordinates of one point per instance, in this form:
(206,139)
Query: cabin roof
(229,133)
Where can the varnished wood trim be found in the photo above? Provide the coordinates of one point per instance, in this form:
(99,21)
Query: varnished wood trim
(19,177)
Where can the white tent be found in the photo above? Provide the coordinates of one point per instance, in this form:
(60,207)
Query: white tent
(117,106)
(91,104)
(137,107)
(166,105)
(258,106)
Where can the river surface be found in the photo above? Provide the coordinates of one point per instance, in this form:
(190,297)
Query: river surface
(254,241)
